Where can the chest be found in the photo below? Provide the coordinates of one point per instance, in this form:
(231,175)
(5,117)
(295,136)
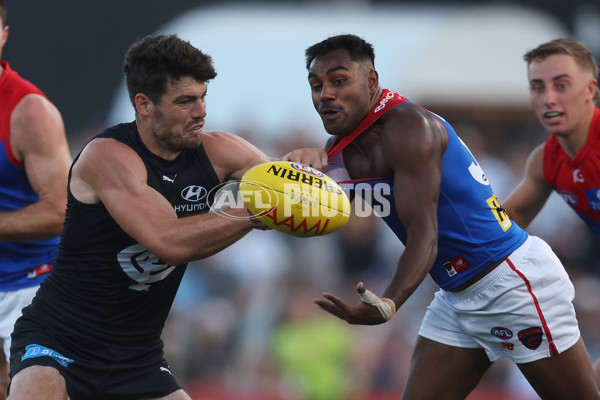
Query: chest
(578,183)
(364,158)
(188,185)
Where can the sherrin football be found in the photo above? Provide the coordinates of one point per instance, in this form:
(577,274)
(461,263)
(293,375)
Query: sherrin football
(294,198)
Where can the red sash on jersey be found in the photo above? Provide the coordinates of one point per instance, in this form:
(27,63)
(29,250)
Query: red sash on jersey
(388,100)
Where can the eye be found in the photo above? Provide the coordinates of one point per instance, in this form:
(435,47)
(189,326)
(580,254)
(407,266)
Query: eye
(536,88)
(339,81)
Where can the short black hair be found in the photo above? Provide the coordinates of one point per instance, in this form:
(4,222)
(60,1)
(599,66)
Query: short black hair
(151,62)
(358,48)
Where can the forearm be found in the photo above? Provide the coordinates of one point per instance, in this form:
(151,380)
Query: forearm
(37,221)
(411,270)
(202,236)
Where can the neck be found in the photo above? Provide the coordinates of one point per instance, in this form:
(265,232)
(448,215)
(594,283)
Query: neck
(375,98)
(575,140)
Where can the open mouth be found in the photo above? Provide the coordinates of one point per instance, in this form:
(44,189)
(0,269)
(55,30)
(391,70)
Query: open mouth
(329,113)
(553,115)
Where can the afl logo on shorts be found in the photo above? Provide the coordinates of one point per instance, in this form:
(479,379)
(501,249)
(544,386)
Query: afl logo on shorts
(502,333)
(193,193)
(306,169)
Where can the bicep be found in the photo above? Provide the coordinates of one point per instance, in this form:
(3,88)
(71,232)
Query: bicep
(231,155)
(118,177)
(38,138)
(415,156)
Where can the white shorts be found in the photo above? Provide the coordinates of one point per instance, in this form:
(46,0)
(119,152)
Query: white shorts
(521,310)
(11,304)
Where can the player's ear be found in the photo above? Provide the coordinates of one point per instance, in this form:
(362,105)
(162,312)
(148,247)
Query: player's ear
(4,35)
(593,88)
(143,104)
(373,79)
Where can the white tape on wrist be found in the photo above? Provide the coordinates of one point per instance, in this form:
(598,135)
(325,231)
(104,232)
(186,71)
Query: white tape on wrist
(386,306)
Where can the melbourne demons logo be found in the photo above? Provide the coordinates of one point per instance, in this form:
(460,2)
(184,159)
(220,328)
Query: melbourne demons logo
(531,337)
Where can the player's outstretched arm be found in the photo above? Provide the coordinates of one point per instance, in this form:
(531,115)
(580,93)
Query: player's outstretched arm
(111,172)
(413,142)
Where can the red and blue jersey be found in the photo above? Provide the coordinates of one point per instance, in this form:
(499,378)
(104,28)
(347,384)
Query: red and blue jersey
(22,264)
(577,180)
(473,229)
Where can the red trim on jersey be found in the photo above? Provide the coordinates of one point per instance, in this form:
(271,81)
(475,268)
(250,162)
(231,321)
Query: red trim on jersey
(551,346)
(387,100)
(576,179)
(13,88)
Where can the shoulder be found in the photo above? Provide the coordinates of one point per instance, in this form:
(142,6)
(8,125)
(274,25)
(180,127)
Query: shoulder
(103,149)
(231,155)
(36,126)
(537,154)
(35,107)
(409,113)
(534,167)
(409,124)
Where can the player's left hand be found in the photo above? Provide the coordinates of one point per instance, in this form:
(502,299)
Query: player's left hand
(359,314)
(314,157)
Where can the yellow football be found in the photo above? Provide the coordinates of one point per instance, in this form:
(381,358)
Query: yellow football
(294,198)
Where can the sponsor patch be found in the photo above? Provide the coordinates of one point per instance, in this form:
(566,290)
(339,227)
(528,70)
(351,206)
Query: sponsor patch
(35,350)
(39,270)
(456,265)
(531,337)
(593,198)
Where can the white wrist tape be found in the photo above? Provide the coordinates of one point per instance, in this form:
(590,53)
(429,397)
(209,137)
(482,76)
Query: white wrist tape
(386,306)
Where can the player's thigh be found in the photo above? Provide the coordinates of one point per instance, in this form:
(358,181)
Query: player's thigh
(49,384)
(439,371)
(3,375)
(568,375)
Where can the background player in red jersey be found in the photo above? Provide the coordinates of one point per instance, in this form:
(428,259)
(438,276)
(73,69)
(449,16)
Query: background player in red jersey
(34,162)
(563,83)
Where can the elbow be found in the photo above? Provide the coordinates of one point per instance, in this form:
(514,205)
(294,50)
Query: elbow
(174,255)
(170,255)
(58,222)
(434,249)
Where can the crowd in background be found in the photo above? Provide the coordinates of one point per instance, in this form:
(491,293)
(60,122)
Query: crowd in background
(244,326)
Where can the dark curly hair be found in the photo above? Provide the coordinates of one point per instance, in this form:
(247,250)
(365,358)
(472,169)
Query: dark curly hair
(151,62)
(358,48)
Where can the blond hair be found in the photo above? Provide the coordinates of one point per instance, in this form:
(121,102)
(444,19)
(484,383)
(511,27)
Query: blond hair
(582,55)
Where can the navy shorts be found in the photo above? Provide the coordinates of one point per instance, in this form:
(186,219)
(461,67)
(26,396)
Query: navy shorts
(92,371)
